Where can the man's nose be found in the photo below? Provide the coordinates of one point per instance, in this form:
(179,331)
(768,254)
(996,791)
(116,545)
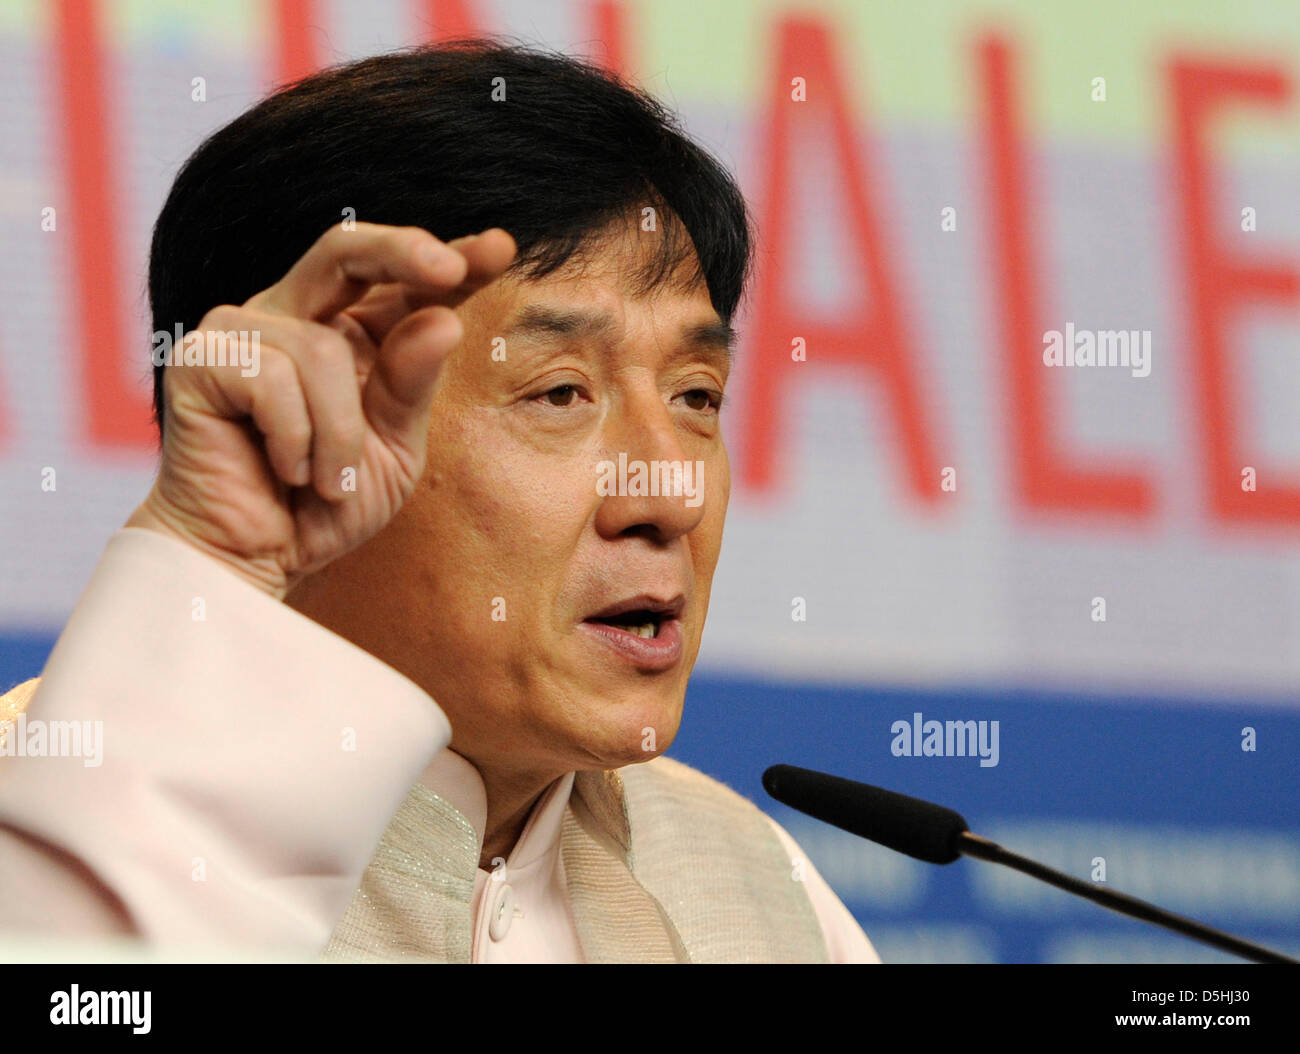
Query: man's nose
(645,482)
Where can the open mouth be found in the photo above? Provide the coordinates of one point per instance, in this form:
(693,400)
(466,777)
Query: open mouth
(645,631)
(641,616)
(640,622)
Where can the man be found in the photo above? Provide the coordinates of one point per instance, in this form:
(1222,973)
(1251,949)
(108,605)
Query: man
(382,592)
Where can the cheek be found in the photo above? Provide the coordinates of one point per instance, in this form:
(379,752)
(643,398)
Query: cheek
(707,537)
(505,519)
(470,478)
(724,478)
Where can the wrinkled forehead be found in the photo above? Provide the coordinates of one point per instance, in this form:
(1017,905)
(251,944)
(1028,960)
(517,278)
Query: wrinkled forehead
(645,252)
(591,298)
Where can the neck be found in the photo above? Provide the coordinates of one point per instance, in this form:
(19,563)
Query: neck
(511,797)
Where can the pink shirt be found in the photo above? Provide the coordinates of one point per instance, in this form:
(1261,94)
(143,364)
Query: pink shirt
(228,810)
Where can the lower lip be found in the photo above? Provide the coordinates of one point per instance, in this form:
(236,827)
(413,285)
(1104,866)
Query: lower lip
(661,652)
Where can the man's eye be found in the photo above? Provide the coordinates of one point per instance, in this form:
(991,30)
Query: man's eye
(564,395)
(702,399)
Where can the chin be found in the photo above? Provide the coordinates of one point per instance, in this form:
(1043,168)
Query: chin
(640,731)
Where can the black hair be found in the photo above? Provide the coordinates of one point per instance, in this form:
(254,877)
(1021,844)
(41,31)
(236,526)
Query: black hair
(416,138)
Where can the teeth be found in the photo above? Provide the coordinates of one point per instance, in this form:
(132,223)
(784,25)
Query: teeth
(645,630)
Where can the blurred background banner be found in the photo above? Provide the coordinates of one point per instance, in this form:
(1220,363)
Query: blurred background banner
(1013,428)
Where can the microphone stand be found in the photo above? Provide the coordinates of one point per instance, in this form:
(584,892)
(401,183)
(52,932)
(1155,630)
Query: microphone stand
(973,845)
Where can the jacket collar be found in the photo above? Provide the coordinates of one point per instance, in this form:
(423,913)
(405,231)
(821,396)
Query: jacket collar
(456,780)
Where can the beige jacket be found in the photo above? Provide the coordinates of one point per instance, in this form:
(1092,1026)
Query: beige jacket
(257,786)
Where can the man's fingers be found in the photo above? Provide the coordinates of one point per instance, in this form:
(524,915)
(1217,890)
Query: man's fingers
(380,310)
(327,372)
(343,264)
(279,410)
(399,390)
(355,291)
(303,396)
(487,256)
(273,397)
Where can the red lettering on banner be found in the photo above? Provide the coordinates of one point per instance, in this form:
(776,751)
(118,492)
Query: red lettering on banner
(295,53)
(1043,476)
(1219,283)
(874,341)
(609,27)
(451,19)
(114,413)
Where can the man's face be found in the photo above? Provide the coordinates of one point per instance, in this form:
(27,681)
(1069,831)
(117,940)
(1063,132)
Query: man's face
(509,584)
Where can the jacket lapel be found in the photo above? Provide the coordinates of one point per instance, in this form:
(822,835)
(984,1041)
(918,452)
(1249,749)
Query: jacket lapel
(414,901)
(617,920)
(414,898)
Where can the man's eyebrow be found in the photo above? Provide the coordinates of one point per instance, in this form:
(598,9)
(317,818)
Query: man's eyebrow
(536,319)
(715,334)
(539,320)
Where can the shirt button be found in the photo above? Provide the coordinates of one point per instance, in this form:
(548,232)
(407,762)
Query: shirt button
(503,913)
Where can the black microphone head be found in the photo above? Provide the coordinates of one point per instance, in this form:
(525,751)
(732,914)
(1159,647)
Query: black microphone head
(906,825)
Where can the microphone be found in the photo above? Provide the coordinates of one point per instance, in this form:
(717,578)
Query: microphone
(939,836)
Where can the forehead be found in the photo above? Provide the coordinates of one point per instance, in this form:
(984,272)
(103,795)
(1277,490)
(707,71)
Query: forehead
(615,289)
(609,308)
(636,256)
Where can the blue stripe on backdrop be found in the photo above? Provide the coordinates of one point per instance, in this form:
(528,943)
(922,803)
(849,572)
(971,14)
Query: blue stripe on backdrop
(1161,791)
(23,655)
